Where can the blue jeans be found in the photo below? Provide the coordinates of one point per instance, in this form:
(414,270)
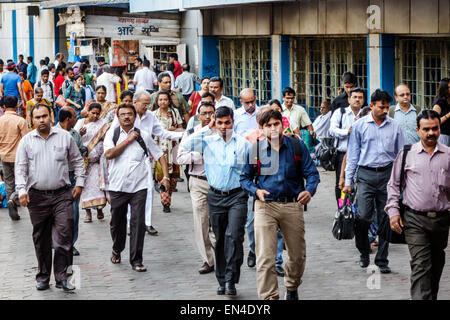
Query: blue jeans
(251,234)
(75,208)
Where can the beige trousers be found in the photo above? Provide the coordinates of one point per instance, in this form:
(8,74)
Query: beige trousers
(289,217)
(204,240)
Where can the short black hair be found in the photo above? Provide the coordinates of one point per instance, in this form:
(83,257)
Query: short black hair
(126,106)
(146,63)
(163,75)
(30,58)
(205,78)
(126,93)
(64,114)
(349,77)
(95,105)
(269,114)
(428,114)
(51,66)
(174,55)
(138,60)
(356,89)
(186,67)
(20,55)
(10,101)
(364,111)
(42,62)
(101,59)
(39,105)
(380,95)
(47,60)
(1,61)
(224,112)
(205,104)
(208,95)
(288,90)
(217,79)
(68,69)
(170,66)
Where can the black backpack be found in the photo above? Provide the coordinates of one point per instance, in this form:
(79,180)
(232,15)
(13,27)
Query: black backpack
(139,139)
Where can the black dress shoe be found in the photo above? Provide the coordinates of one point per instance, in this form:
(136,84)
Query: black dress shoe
(221,290)
(280,271)
(151,231)
(251,260)
(75,252)
(230,289)
(291,295)
(384,269)
(64,285)
(205,268)
(13,213)
(364,261)
(180,180)
(42,285)
(166,209)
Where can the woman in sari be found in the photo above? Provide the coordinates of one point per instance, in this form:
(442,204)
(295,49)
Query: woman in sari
(170,119)
(93,130)
(76,96)
(100,98)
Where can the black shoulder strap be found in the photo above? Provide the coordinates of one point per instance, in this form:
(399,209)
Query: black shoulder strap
(190,131)
(141,141)
(342,115)
(116,135)
(296,147)
(406,149)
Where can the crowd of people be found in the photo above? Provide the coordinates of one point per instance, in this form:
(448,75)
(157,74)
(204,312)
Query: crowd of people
(68,137)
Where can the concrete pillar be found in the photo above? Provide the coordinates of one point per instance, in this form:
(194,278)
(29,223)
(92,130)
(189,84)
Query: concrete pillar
(380,65)
(280,64)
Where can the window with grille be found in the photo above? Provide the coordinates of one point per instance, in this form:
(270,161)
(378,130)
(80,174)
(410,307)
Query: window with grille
(246,63)
(318,64)
(422,64)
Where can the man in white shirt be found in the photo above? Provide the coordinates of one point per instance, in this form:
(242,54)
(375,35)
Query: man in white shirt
(322,123)
(216,87)
(340,127)
(147,121)
(58,58)
(145,79)
(297,115)
(245,116)
(127,149)
(108,80)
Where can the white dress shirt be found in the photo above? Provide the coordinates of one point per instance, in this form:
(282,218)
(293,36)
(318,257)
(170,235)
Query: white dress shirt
(145,79)
(341,134)
(225,102)
(244,122)
(129,171)
(321,125)
(192,158)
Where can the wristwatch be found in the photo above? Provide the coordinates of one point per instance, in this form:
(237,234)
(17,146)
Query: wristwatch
(166,178)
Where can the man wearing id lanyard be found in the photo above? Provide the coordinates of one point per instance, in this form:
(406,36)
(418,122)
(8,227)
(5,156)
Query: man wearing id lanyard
(224,155)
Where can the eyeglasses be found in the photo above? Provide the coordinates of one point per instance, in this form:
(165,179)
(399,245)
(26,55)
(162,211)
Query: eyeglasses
(124,115)
(146,104)
(203,114)
(249,102)
(404,94)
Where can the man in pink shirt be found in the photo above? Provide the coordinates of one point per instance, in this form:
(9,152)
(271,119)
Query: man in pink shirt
(426,197)
(173,57)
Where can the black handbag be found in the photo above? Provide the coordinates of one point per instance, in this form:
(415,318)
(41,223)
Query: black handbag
(344,221)
(384,228)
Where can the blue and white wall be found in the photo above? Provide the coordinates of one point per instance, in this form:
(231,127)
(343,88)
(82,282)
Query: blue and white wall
(27,35)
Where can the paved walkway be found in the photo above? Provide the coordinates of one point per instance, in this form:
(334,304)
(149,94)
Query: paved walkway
(332,269)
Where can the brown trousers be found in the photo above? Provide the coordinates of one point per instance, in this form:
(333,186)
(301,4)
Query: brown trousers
(269,216)
(52,219)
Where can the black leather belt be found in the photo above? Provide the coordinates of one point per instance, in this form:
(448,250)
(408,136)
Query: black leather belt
(284,199)
(379,169)
(49,192)
(226,193)
(198,177)
(429,214)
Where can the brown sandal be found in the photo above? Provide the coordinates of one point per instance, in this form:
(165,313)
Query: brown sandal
(100,215)
(115,258)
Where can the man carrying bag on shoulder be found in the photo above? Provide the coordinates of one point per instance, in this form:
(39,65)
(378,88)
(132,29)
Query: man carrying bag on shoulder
(426,199)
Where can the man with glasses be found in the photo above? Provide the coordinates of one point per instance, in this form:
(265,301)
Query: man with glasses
(405,113)
(147,121)
(198,188)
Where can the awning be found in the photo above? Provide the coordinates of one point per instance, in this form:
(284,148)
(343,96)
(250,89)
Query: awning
(182,5)
(53,4)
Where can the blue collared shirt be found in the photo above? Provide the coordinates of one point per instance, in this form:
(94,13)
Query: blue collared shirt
(223,160)
(279,173)
(244,122)
(371,145)
(407,121)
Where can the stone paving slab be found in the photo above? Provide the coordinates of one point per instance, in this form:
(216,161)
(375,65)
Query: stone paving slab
(332,267)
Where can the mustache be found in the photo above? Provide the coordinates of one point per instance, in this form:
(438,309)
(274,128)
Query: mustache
(431,137)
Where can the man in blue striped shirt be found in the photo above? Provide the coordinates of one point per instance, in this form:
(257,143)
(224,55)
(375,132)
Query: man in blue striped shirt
(374,143)
(224,157)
